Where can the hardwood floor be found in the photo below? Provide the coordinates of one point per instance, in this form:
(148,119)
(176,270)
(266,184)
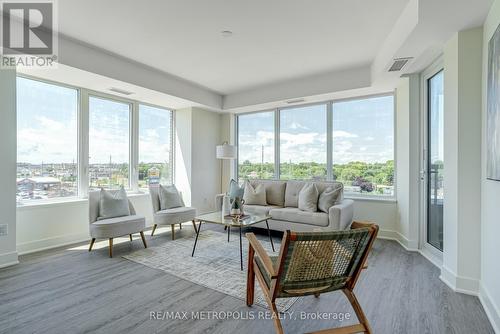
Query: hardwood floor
(70,290)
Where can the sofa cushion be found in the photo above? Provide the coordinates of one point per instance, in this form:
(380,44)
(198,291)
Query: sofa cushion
(329,197)
(259,209)
(308,198)
(275,191)
(255,196)
(292,193)
(296,215)
(117,227)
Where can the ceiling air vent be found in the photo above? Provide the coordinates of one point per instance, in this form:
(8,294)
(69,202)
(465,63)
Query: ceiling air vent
(398,64)
(120,91)
(295,101)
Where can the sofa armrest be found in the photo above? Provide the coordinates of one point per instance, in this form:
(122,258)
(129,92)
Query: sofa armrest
(340,215)
(218,201)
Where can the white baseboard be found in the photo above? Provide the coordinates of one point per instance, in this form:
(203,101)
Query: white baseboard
(490,308)
(48,243)
(466,285)
(408,245)
(8,259)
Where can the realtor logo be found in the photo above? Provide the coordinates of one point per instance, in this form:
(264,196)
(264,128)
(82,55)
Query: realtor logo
(28,33)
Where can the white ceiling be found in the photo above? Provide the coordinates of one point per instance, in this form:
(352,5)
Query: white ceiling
(272,41)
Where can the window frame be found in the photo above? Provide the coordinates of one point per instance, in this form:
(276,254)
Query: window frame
(84,95)
(329,160)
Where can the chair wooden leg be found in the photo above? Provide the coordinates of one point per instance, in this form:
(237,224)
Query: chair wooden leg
(143,239)
(316,295)
(130,237)
(110,247)
(154,229)
(91,244)
(358,310)
(250,277)
(173,231)
(276,318)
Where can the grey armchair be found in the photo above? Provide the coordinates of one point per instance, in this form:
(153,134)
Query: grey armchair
(113,227)
(170,216)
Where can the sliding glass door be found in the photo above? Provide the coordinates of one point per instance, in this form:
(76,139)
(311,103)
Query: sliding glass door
(435,161)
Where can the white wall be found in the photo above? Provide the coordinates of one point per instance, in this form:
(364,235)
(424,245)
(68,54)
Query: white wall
(462,147)
(8,254)
(197,172)
(490,199)
(51,225)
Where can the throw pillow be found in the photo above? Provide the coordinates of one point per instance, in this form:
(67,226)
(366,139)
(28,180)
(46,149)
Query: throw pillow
(235,190)
(113,204)
(308,198)
(255,196)
(169,197)
(328,198)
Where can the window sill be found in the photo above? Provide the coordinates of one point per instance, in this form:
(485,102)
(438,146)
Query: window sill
(38,204)
(371,198)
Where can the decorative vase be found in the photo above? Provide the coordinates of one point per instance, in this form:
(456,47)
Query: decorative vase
(226,205)
(235,212)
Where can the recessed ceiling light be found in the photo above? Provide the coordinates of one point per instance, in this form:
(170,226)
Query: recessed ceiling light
(226,33)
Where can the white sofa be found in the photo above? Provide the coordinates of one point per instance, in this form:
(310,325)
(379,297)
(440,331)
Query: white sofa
(282,206)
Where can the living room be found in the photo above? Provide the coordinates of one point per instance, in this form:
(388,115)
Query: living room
(188,167)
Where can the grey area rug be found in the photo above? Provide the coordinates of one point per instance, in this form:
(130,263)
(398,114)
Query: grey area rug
(215,265)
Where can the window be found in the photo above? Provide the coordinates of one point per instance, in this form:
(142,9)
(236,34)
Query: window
(46,140)
(155,146)
(256,146)
(303,143)
(109,143)
(363,145)
(350,141)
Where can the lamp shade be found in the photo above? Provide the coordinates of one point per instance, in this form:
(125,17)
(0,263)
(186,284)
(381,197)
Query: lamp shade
(226,151)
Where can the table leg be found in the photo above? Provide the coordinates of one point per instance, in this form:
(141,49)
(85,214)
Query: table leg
(228,232)
(269,234)
(196,240)
(241,252)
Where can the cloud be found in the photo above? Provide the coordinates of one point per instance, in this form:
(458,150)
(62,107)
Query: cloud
(344,134)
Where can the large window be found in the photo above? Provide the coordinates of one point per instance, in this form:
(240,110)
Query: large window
(363,145)
(155,146)
(70,141)
(109,143)
(303,142)
(46,140)
(351,141)
(256,146)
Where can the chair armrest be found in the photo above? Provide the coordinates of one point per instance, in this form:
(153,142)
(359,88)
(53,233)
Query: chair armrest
(261,253)
(340,215)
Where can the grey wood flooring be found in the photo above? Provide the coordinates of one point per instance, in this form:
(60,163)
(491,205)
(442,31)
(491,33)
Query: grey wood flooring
(70,290)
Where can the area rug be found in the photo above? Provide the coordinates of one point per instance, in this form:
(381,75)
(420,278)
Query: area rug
(215,265)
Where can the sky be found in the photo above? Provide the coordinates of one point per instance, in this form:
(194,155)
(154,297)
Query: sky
(363,130)
(47,127)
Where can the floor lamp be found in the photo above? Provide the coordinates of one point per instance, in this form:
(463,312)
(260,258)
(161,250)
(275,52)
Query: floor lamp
(225,152)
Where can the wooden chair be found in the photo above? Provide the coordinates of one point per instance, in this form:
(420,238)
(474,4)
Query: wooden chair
(312,263)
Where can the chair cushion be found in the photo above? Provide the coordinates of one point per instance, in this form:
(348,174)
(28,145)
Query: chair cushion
(259,209)
(169,197)
(275,191)
(174,215)
(255,196)
(117,227)
(295,215)
(308,198)
(113,204)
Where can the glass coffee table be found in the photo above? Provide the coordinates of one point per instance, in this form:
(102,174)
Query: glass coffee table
(218,218)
